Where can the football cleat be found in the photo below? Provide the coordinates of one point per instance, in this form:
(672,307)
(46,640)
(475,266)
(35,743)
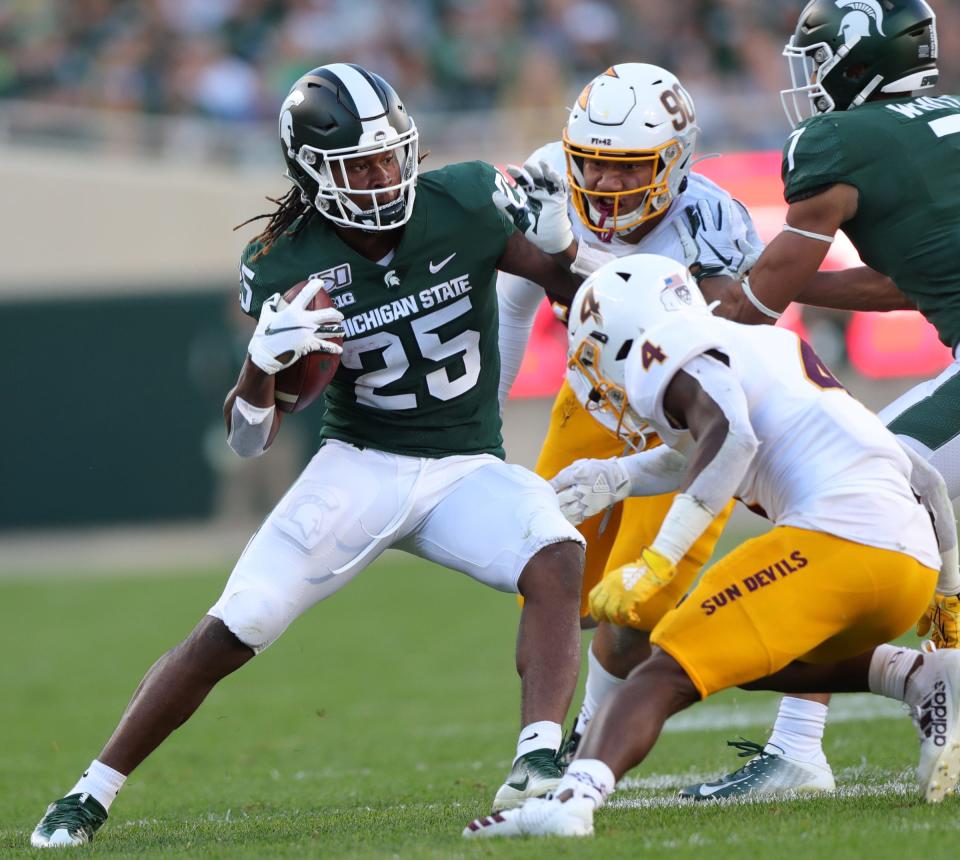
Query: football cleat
(72,820)
(568,750)
(937,718)
(537,817)
(534,774)
(767,773)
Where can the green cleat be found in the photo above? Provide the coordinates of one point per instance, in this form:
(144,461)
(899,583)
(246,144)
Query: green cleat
(72,820)
(533,775)
(766,774)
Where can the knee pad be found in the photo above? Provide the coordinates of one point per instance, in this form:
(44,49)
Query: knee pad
(255,616)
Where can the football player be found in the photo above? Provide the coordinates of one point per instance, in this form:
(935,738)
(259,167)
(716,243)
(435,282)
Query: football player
(411,445)
(851,561)
(873,158)
(626,153)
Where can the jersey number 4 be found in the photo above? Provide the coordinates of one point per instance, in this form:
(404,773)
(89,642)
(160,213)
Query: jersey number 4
(397,363)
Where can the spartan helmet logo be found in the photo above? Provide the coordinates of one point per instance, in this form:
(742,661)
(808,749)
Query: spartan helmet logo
(286,118)
(391,279)
(856,23)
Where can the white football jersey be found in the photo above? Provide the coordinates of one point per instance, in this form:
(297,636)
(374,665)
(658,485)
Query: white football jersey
(663,238)
(825,461)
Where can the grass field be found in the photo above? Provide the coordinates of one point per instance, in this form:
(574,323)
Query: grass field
(379,725)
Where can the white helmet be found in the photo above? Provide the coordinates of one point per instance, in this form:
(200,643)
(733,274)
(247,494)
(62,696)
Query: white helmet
(609,314)
(632,112)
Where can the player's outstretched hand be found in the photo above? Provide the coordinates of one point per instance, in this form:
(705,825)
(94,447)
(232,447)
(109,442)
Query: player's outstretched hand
(942,621)
(288,331)
(537,205)
(587,487)
(622,591)
(714,240)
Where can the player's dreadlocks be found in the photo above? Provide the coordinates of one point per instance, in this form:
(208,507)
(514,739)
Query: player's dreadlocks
(291,209)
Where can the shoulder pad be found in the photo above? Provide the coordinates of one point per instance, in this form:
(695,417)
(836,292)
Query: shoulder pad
(553,154)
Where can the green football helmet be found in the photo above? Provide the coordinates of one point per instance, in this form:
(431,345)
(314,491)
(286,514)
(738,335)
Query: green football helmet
(845,51)
(338,112)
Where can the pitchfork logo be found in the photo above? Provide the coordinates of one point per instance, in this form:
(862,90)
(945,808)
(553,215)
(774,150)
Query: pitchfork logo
(856,23)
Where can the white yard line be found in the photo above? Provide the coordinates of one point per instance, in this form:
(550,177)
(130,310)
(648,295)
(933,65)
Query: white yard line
(844,708)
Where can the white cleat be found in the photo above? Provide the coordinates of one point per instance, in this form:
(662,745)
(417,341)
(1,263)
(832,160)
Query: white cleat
(537,817)
(937,718)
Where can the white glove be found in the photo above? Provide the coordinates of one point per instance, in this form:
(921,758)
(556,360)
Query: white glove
(587,487)
(706,233)
(537,205)
(287,332)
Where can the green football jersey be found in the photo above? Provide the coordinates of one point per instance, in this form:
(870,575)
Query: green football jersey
(903,156)
(420,365)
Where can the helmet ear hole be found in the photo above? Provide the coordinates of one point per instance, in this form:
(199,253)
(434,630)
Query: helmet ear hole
(856,72)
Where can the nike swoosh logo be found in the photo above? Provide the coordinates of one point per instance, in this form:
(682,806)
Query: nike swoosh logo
(270,330)
(726,261)
(436,267)
(520,786)
(709,790)
(530,737)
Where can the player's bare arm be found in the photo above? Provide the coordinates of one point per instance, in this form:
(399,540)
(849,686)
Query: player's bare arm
(790,261)
(688,406)
(857,289)
(526,260)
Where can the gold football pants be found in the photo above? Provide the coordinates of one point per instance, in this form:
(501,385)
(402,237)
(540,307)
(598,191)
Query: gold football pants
(633,524)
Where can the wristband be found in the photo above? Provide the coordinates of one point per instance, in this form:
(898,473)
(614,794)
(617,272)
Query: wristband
(760,306)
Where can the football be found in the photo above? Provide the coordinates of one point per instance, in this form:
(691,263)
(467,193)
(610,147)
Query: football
(302,383)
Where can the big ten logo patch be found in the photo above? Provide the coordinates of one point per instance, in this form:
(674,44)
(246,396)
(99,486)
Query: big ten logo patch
(767,576)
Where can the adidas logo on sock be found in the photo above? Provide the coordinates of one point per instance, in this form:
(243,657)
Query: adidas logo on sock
(933,715)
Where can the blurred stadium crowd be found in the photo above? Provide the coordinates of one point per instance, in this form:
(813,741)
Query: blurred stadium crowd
(232,60)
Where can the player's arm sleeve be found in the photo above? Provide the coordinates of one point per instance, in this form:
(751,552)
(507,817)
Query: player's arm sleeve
(517,300)
(813,160)
(929,485)
(656,471)
(709,489)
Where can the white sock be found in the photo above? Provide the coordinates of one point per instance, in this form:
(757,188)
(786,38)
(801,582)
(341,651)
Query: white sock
(600,684)
(798,731)
(890,669)
(101,782)
(539,736)
(588,776)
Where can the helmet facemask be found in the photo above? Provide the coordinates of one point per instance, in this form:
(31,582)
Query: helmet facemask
(332,198)
(670,163)
(806,96)
(607,401)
